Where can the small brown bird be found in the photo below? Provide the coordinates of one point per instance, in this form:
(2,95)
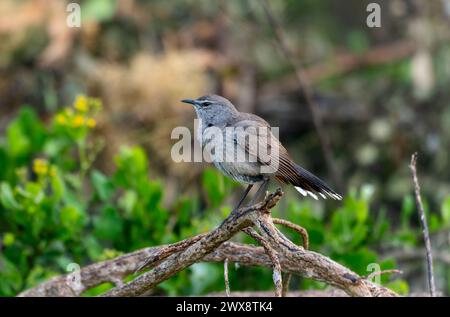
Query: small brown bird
(216,113)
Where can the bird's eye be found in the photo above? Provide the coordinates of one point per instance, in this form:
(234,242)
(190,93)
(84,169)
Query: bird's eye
(206,104)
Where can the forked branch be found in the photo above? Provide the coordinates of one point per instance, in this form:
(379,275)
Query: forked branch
(166,261)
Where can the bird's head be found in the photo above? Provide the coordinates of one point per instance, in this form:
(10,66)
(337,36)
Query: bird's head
(213,109)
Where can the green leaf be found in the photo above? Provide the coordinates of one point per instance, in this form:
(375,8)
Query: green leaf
(214,186)
(92,246)
(25,134)
(359,260)
(97,290)
(102,185)
(445,211)
(58,186)
(359,234)
(37,275)
(154,195)
(435,223)
(10,277)
(399,286)
(8,239)
(128,201)
(132,168)
(72,218)
(109,225)
(18,142)
(99,10)
(408,207)
(7,197)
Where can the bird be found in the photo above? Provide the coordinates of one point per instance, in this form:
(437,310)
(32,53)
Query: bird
(217,115)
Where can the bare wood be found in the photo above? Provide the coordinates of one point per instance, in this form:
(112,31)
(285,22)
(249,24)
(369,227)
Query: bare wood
(164,252)
(213,247)
(287,280)
(302,231)
(98,273)
(277,279)
(175,263)
(225,275)
(423,221)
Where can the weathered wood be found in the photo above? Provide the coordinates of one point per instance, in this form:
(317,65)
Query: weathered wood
(212,247)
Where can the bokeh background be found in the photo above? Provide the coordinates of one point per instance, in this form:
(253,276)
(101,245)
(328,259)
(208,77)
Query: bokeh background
(85,179)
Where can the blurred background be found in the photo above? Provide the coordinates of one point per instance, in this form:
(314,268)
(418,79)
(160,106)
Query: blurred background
(86,116)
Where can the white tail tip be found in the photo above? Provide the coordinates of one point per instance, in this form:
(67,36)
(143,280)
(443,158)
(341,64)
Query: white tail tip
(305,193)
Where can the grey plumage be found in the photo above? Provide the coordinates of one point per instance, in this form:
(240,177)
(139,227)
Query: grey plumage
(216,113)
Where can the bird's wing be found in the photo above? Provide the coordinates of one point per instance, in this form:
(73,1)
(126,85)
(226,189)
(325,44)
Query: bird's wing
(255,137)
(261,145)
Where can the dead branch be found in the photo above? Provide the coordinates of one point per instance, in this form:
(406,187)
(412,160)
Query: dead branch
(287,281)
(164,252)
(423,221)
(300,230)
(277,279)
(377,273)
(225,275)
(212,247)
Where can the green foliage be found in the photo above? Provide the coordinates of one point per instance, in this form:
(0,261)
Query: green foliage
(100,10)
(57,209)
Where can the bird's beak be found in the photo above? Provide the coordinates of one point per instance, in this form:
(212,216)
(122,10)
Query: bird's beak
(191,101)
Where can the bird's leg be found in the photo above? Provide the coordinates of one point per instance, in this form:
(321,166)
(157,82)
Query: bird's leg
(235,210)
(249,187)
(260,190)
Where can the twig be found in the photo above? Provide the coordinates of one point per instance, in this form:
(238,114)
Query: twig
(287,281)
(169,250)
(277,280)
(376,273)
(225,275)
(303,84)
(302,231)
(423,221)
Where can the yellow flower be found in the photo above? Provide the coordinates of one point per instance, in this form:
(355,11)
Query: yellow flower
(91,123)
(81,104)
(78,121)
(61,119)
(40,166)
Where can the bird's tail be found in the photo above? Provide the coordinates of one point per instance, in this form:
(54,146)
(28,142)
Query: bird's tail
(307,183)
